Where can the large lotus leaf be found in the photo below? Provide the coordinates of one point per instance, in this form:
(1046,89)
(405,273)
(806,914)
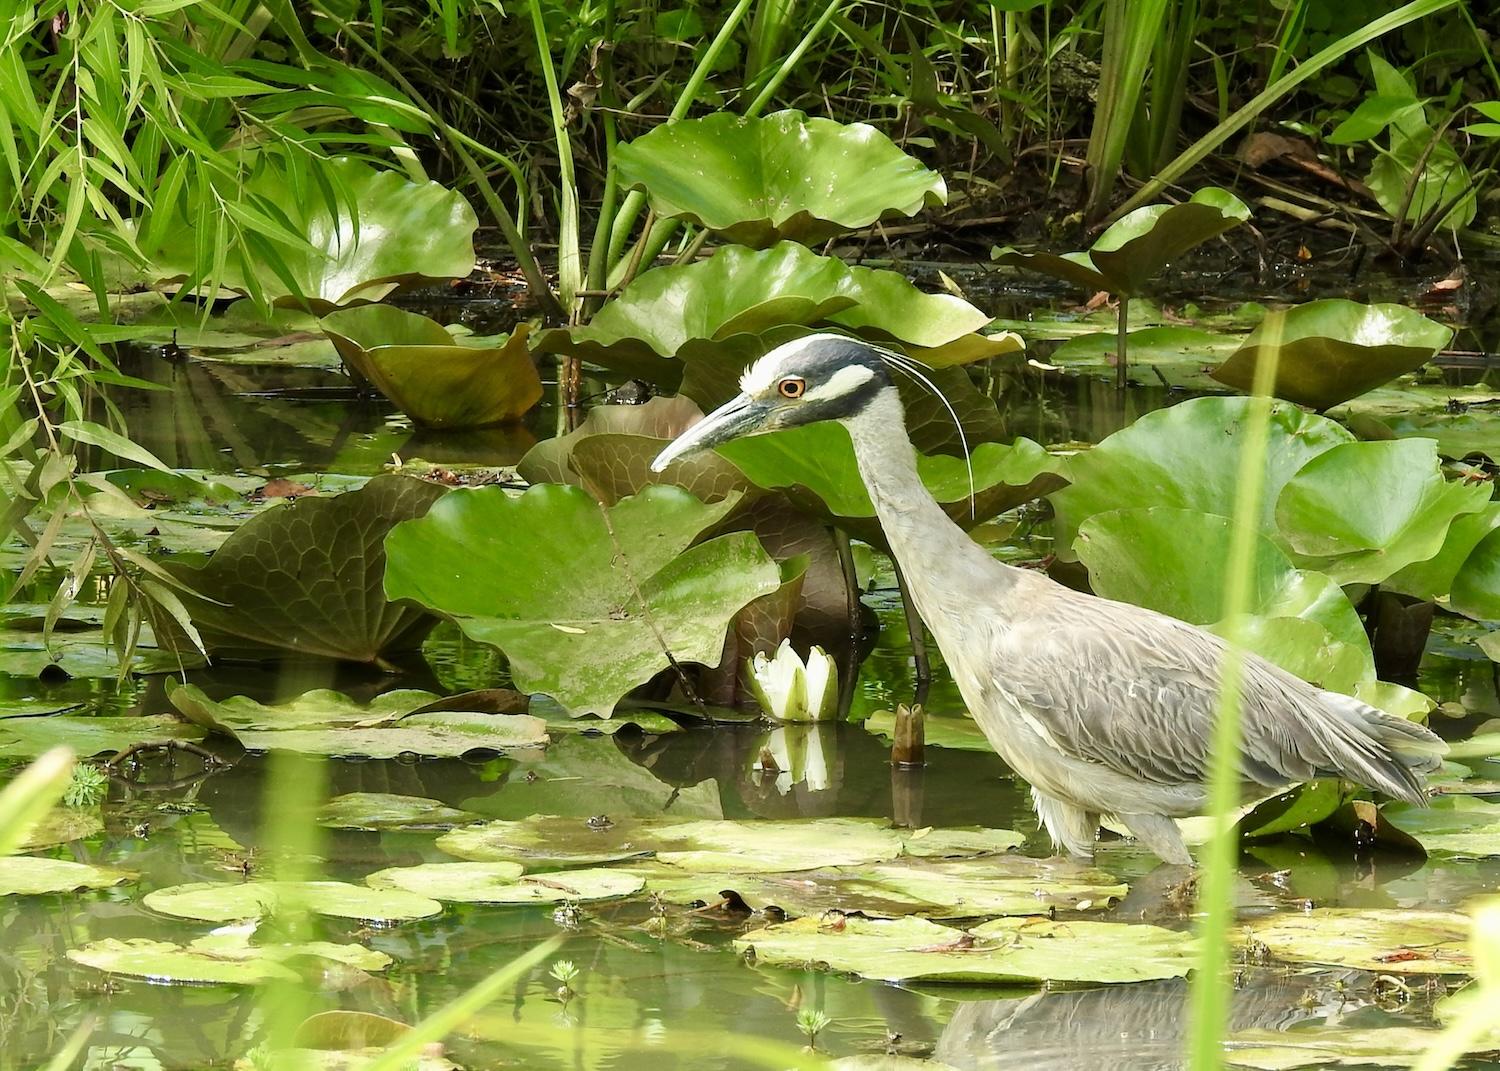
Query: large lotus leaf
(740,291)
(502,883)
(1330,351)
(783,176)
(222,958)
(1434,578)
(1387,941)
(398,231)
(30,737)
(715,846)
(29,875)
(436,379)
(210,901)
(1475,590)
(1008,950)
(1187,456)
(1457,825)
(385,810)
(1012,885)
(586,603)
(815,463)
(305,578)
(1175,561)
(1132,250)
(1328,515)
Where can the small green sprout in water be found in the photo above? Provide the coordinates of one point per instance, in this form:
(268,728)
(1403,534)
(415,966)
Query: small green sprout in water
(812,1022)
(565,971)
(86,787)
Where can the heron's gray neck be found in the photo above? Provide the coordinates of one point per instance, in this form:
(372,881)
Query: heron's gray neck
(934,553)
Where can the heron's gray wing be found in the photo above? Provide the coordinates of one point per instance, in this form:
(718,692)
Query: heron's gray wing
(1137,691)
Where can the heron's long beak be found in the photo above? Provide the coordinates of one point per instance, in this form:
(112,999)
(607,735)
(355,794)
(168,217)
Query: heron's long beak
(738,416)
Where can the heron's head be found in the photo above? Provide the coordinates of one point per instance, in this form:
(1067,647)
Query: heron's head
(819,377)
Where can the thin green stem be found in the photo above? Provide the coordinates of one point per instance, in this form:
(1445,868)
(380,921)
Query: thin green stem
(569,255)
(793,58)
(1209,1011)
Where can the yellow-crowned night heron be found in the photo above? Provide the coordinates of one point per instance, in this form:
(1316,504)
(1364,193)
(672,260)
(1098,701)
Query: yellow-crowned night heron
(1105,708)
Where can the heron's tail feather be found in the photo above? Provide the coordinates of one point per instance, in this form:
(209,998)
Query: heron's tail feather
(1382,751)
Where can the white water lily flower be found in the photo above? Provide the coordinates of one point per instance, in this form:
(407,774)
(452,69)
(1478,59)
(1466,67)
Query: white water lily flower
(790,690)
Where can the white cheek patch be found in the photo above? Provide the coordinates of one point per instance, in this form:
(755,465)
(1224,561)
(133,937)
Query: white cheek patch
(845,381)
(759,379)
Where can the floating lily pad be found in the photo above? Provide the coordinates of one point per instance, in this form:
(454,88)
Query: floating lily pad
(439,734)
(815,465)
(985,888)
(320,708)
(1187,456)
(1335,1046)
(1019,950)
(1138,245)
(716,846)
(1177,357)
(781,176)
(651,328)
(1457,825)
(1333,350)
(88,736)
(305,578)
(225,902)
(1326,513)
(557,583)
(384,810)
(436,379)
(24,653)
(502,883)
(221,958)
(29,875)
(397,232)
(1388,941)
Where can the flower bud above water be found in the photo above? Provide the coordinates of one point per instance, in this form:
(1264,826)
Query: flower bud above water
(790,690)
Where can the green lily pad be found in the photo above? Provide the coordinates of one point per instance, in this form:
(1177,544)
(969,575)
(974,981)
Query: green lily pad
(1009,950)
(320,708)
(438,734)
(1333,350)
(1475,589)
(1187,456)
(740,292)
(1327,515)
(29,875)
(559,583)
(1388,941)
(1012,885)
(1132,250)
(781,176)
(1434,577)
(1455,825)
(89,736)
(715,846)
(1335,1046)
(502,883)
(398,232)
(219,958)
(815,465)
(304,578)
(437,380)
(24,653)
(385,810)
(225,902)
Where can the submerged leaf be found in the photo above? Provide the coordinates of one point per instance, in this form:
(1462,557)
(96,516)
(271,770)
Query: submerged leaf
(1009,950)
(1333,350)
(781,176)
(436,379)
(586,603)
(304,578)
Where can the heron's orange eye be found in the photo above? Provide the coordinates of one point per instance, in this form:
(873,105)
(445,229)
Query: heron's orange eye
(792,388)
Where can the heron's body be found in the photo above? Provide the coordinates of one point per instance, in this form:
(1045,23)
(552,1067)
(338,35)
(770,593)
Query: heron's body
(1104,707)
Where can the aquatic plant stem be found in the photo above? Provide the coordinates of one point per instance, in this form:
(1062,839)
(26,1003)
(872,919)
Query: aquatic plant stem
(569,255)
(793,57)
(918,635)
(1122,341)
(1209,999)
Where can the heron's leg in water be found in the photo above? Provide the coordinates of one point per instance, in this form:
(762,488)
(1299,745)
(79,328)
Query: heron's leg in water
(1071,827)
(1160,834)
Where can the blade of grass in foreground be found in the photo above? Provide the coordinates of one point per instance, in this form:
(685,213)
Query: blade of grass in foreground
(28,798)
(1209,1007)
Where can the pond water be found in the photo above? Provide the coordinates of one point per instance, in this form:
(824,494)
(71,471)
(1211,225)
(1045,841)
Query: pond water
(641,999)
